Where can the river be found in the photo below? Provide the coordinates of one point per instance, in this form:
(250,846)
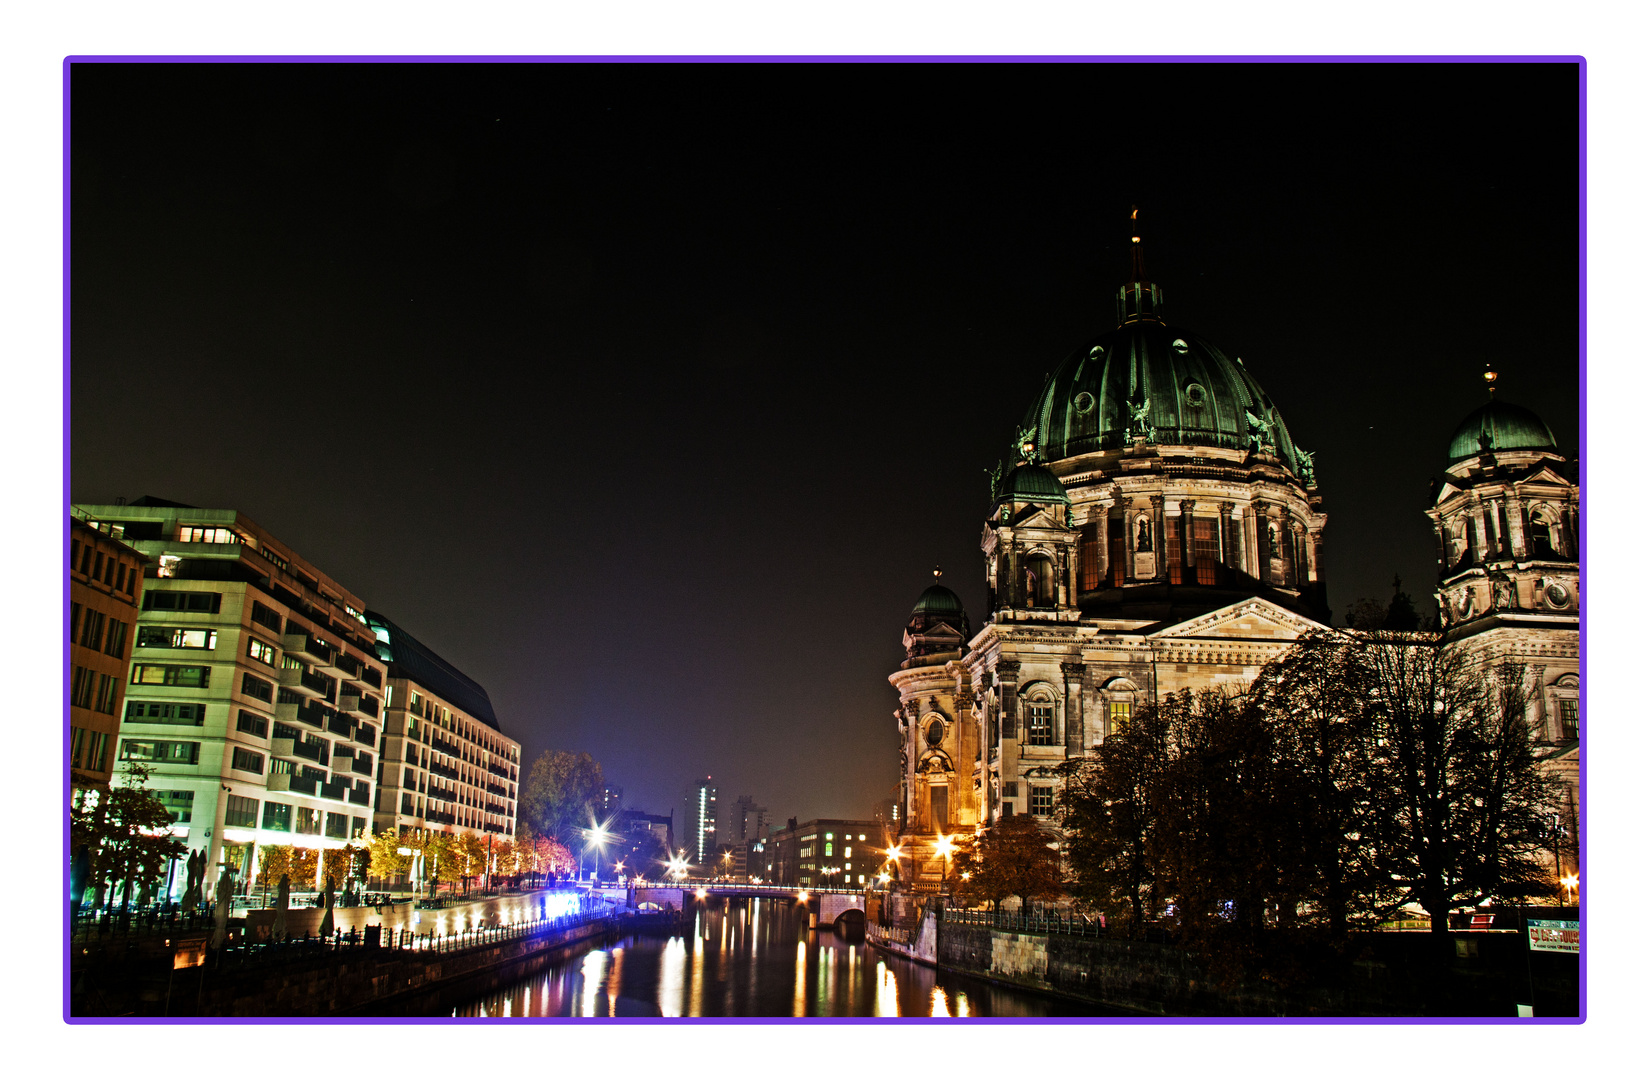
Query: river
(755,958)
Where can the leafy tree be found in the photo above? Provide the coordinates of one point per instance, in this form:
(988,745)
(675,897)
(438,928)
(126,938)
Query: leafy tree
(1109,810)
(443,859)
(560,794)
(384,854)
(1315,700)
(471,853)
(1015,857)
(273,861)
(125,833)
(306,863)
(506,861)
(1466,805)
(335,864)
(539,856)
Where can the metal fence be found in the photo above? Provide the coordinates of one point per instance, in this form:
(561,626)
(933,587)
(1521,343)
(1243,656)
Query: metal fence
(1023,922)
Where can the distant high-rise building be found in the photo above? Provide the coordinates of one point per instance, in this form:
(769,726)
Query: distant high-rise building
(750,821)
(700,818)
(612,799)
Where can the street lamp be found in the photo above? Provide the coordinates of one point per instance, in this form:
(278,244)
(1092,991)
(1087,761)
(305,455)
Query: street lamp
(894,853)
(596,836)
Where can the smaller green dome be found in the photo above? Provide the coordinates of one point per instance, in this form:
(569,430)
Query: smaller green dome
(938,600)
(1031,483)
(1500,425)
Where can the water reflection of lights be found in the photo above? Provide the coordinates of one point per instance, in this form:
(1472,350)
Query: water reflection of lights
(594,967)
(887,991)
(615,981)
(799,1007)
(671,971)
(696,1000)
(938,1006)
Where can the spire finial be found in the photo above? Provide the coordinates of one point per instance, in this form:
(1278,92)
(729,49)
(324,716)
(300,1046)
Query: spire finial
(937,571)
(1137,252)
(1489,379)
(1139,298)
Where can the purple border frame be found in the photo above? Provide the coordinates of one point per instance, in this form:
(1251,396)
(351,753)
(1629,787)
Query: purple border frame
(1581,70)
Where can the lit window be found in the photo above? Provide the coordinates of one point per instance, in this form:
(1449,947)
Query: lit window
(847,853)
(171,675)
(172,637)
(196,534)
(827,848)
(261,651)
(1040,723)
(1119,716)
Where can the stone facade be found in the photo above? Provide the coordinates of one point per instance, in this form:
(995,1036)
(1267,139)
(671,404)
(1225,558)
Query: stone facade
(1161,532)
(105,588)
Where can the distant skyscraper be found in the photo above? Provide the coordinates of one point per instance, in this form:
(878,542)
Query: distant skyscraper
(750,821)
(700,818)
(612,799)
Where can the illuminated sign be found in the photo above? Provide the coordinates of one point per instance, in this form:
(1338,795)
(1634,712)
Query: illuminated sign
(1555,935)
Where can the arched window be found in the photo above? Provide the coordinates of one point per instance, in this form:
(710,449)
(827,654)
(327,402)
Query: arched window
(1039,581)
(1544,539)
(1039,710)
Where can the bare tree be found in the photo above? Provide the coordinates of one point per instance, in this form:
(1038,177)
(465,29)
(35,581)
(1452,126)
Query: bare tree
(1465,803)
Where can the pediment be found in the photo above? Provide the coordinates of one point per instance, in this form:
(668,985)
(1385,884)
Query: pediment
(1041,517)
(1544,474)
(1250,619)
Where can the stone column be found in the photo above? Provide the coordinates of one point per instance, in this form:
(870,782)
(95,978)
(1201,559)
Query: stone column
(1073,673)
(1187,574)
(1477,540)
(1008,674)
(1159,546)
(1263,545)
(1225,536)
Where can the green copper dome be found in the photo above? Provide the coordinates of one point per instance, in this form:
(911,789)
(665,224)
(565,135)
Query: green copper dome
(939,601)
(1147,378)
(1500,425)
(1030,483)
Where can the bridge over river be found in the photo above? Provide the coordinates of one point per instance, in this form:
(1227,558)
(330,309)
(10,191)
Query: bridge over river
(826,907)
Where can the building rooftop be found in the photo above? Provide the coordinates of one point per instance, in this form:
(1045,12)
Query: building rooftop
(412,659)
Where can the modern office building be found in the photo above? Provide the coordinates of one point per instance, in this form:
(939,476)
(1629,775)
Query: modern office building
(105,585)
(254,686)
(699,820)
(820,854)
(446,764)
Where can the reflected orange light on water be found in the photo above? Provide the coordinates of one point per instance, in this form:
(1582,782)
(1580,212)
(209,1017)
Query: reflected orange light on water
(939,1006)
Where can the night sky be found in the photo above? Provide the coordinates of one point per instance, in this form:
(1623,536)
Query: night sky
(650,396)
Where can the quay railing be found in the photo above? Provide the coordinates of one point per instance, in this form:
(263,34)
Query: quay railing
(895,935)
(1027,922)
